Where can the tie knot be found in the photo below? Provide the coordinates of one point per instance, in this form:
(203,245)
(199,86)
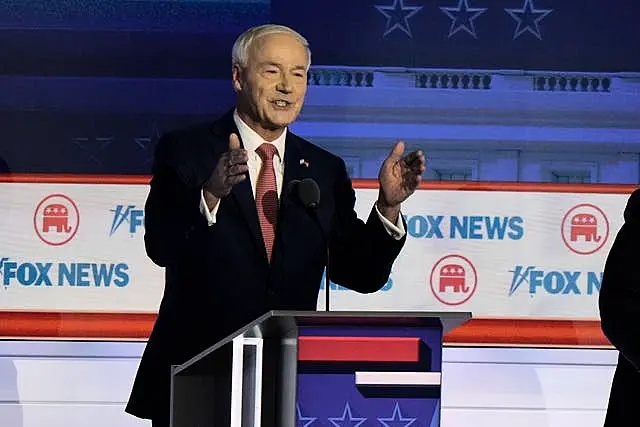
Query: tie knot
(266,151)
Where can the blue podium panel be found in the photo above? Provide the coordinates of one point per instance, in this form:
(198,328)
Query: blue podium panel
(369,376)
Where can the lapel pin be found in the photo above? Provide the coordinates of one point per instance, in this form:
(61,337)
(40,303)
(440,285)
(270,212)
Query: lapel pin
(304,163)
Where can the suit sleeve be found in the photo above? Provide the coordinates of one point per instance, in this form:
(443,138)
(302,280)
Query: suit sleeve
(619,299)
(360,254)
(173,222)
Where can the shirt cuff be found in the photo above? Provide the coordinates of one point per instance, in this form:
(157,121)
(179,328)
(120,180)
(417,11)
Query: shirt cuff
(396,231)
(210,215)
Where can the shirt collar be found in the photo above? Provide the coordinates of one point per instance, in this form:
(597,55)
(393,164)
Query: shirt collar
(251,140)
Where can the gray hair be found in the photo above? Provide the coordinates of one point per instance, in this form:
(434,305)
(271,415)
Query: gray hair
(240,50)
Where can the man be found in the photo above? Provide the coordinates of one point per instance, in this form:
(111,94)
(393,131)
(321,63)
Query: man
(620,313)
(234,243)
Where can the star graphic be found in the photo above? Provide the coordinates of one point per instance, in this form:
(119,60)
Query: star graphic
(398,16)
(93,145)
(462,17)
(344,422)
(304,421)
(396,420)
(435,420)
(528,18)
(146,143)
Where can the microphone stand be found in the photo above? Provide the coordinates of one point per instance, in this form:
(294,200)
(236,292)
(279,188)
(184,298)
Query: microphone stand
(327,280)
(307,193)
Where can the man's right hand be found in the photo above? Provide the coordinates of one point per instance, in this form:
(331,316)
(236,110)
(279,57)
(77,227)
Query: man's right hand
(230,170)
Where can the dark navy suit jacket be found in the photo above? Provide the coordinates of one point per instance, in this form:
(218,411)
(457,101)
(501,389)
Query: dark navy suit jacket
(620,316)
(218,278)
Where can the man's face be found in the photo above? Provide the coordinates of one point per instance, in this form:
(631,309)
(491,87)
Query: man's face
(272,86)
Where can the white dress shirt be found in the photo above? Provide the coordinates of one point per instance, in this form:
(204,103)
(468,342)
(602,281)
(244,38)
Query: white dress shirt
(251,140)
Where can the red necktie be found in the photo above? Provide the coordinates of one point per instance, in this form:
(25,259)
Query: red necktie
(267,196)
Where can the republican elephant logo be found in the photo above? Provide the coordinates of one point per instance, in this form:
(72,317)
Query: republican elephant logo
(453,279)
(56,219)
(453,276)
(585,225)
(585,229)
(56,216)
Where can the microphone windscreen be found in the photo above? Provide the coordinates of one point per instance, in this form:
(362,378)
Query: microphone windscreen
(292,187)
(309,192)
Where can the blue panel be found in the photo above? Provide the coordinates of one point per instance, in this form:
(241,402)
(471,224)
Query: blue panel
(327,392)
(123,38)
(191,16)
(494,34)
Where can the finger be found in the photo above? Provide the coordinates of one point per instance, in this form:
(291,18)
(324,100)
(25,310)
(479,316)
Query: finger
(419,167)
(411,175)
(411,182)
(413,158)
(418,181)
(235,179)
(238,156)
(234,142)
(397,151)
(224,158)
(417,163)
(237,169)
(223,164)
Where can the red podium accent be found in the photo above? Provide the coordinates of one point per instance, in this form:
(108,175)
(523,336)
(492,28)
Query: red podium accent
(358,349)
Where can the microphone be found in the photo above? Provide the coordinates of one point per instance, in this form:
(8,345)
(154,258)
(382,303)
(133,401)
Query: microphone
(307,193)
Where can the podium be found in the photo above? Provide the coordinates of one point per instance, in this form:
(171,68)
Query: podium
(314,368)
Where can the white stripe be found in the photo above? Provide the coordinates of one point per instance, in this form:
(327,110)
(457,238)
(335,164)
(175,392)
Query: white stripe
(398,378)
(257,410)
(237,367)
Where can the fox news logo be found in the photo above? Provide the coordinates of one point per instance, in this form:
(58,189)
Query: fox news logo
(129,217)
(76,274)
(474,227)
(555,282)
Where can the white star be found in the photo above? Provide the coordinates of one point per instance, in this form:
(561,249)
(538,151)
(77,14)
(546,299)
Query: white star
(531,15)
(398,16)
(396,418)
(352,419)
(304,421)
(462,17)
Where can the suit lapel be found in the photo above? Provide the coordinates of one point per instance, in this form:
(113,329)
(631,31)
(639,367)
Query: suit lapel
(243,195)
(292,167)
(293,170)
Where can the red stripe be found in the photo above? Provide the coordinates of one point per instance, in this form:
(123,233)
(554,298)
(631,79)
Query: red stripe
(358,349)
(137,326)
(75,179)
(357,183)
(558,332)
(75,325)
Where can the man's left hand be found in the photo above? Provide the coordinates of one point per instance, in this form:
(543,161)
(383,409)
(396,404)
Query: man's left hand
(399,177)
